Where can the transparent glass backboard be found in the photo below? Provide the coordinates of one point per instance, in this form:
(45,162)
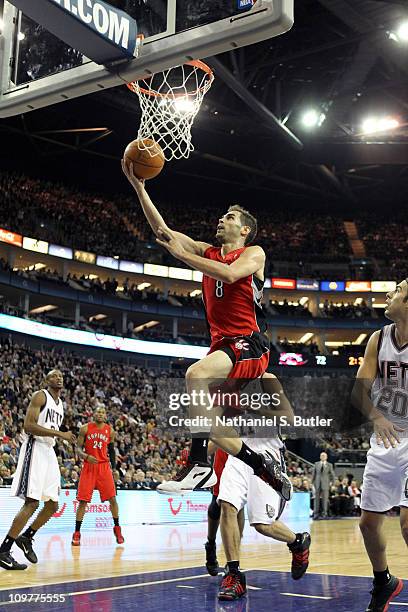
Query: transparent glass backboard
(38,69)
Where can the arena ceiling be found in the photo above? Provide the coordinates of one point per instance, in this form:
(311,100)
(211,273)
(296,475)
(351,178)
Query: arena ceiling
(340,58)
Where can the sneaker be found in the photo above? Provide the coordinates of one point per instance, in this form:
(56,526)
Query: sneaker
(233,586)
(76,538)
(118,534)
(211,562)
(382,595)
(26,545)
(300,556)
(9,563)
(191,477)
(271,472)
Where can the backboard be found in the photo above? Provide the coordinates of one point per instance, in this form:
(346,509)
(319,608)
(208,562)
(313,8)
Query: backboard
(37,69)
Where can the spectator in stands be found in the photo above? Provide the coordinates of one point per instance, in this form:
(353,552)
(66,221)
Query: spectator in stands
(344,501)
(355,494)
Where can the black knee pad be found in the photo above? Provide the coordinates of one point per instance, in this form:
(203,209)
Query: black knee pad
(214,510)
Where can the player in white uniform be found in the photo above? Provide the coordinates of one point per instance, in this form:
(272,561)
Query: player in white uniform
(239,487)
(381,393)
(37,477)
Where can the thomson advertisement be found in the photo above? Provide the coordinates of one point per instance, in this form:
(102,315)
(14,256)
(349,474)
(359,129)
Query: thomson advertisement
(136,508)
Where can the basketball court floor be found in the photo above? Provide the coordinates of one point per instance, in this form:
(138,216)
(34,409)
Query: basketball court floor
(162,567)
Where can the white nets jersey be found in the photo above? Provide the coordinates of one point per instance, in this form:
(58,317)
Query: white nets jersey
(51,416)
(390,388)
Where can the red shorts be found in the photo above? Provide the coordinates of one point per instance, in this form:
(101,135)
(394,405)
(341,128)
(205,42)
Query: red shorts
(96,476)
(249,354)
(220,459)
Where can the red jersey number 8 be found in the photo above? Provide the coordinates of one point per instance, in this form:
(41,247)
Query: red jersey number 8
(219,289)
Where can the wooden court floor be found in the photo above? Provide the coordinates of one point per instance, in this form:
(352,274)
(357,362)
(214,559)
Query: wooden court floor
(337,549)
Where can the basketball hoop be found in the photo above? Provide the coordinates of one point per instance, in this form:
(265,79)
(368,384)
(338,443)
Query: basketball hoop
(170,101)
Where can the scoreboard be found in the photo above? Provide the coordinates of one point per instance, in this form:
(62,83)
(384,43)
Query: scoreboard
(303,360)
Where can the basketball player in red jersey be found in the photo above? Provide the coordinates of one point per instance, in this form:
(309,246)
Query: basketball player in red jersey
(232,292)
(98,438)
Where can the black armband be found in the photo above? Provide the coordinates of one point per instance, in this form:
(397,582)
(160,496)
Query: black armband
(112,455)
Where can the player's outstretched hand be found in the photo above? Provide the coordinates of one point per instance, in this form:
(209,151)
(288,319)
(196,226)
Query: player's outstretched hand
(68,436)
(386,432)
(137,184)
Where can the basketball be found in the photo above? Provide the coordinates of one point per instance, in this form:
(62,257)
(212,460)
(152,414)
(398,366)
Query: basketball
(147,162)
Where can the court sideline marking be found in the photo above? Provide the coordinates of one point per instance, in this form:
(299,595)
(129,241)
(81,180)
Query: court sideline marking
(307,596)
(130,586)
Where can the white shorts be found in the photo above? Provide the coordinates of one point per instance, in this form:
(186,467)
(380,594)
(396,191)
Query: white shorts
(240,486)
(37,475)
(385,480)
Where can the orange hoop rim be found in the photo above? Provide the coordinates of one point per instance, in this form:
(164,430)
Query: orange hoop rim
(156,94)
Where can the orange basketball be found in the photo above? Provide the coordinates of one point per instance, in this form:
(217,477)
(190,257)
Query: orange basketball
(146,163)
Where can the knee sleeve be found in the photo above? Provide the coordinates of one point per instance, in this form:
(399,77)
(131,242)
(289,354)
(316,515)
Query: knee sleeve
(214,510)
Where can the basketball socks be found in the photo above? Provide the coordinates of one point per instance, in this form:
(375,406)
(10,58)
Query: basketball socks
(29,533)
(198,450)
(116,521)
(248,456)
(7,544)
(382,578)
(78,525)
(233,567)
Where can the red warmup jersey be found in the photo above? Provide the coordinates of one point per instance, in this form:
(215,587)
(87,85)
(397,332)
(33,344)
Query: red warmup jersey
(232,309)
(97,440)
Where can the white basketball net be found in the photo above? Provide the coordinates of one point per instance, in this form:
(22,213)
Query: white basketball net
(170,101)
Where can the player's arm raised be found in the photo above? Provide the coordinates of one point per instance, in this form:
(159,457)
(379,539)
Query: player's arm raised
(31,425)
(153,216)
(384,429)
(250,261)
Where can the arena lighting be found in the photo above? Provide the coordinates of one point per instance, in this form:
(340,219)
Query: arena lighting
(101,340)
(360,339)
(401,35)
(147,325)
(183,105)
(372,125)
(402,32)
(313,118)
(307,336)
(37,266)
(98,317)
(41,309)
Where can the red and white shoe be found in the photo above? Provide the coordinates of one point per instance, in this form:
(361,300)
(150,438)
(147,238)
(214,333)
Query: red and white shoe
(76,538)
(118,534)
(233,586)
(191,477)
